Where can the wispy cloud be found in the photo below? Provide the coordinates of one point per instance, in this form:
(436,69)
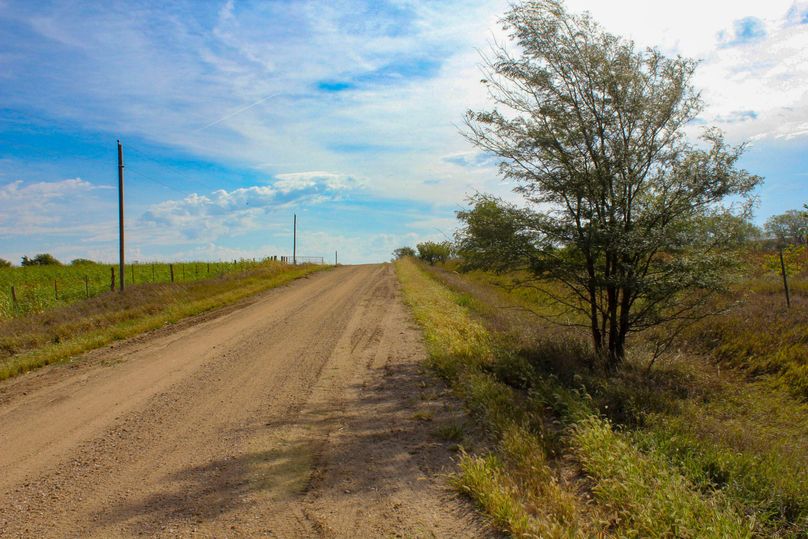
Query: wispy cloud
(46,207)
(241,211)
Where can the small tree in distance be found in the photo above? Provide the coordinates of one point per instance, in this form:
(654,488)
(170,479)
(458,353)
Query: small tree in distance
(790,227)
(4,263)
(83,262)
(43,259)
(431,252)
(621,209)
(403,252)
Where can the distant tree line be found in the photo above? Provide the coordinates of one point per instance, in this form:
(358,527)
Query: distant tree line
(46,259)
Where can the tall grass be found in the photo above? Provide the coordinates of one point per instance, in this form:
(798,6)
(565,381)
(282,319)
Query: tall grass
(740,439)
(539,428)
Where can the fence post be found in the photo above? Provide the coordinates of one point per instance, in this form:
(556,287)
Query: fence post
(14,296)
(171,269)
(208,268)
(785,279)
(196,269)
(152,274)
(133,273)
(55,290)
(112,278)
(87,285)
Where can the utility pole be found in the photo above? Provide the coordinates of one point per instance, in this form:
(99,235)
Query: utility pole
(120,215)
(336,259)
(294,243)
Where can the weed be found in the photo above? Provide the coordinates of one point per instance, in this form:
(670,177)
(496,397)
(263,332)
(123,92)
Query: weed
(451,433)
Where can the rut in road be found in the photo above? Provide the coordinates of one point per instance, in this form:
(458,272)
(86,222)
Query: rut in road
(294,416)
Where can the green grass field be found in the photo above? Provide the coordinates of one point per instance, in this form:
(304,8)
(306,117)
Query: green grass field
(59,332)
(38,288)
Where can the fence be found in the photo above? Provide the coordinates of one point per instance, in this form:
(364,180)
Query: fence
(32,289)
(319,260)
(35,288)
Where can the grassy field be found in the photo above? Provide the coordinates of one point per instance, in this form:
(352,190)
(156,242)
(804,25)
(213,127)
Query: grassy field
(692,448)
(38,288)
(64,331)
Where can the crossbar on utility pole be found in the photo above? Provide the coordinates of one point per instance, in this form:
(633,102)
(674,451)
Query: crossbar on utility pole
(294,243)
(121,258)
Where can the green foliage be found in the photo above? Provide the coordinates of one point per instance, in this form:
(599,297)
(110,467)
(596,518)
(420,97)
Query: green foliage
(738,446)
(83,262)
(401,252)
(761,337)
(790,227)
(42,259)
(432,252)
(636,494)
(768,483)
(4,263)
(650,498)
(623,210)
(794,258)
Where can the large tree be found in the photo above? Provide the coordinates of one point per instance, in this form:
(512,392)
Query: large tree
(621,208)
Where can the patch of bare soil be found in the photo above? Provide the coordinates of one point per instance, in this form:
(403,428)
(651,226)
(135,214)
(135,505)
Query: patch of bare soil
(302,414)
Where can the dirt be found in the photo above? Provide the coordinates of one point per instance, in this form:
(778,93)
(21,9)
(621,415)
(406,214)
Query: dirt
(303,413)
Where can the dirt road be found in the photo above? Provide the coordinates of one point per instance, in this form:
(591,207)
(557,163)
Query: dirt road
(301,414)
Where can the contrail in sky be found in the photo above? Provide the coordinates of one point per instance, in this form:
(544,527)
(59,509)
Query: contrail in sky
(239,111)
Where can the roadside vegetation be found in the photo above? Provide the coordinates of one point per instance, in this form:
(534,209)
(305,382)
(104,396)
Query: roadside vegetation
(625,337)
(687,449)
(59,333)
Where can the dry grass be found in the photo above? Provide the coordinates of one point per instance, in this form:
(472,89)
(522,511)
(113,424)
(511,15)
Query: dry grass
(59,334)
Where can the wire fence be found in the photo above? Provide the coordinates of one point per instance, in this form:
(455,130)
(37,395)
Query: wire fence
(31,289)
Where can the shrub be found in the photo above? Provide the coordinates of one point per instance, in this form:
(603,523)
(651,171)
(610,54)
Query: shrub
(430,251)
(82,262)
(42,259)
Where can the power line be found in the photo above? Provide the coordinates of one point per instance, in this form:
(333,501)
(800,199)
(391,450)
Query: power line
(239,111)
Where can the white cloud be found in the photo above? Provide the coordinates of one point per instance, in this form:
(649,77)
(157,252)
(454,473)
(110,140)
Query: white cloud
(52,207)
(237,83)
(227,213)
(299,181)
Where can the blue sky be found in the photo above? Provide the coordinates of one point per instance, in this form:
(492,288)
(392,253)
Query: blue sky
(235,115)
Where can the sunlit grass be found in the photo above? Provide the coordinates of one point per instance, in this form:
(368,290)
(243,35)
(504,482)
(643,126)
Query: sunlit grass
(734,434)
(537,424)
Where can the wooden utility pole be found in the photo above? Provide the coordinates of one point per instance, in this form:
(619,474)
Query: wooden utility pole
(336,259)
(785,279)
(121,259)
(294,242)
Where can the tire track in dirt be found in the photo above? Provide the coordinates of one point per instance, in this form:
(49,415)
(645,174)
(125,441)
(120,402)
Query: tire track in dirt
(290,417)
